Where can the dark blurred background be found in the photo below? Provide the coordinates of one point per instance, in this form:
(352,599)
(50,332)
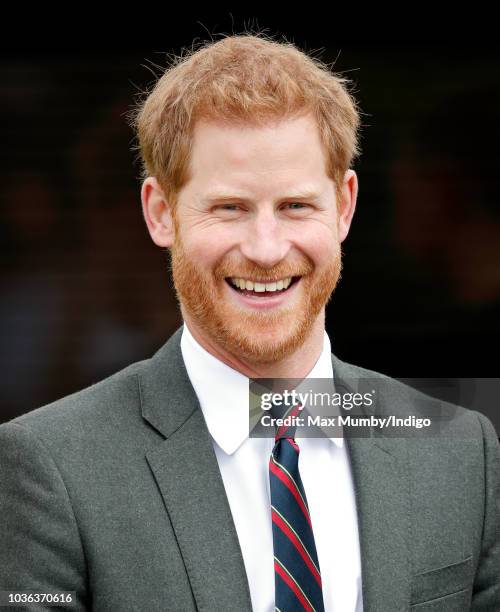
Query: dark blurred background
(85,292)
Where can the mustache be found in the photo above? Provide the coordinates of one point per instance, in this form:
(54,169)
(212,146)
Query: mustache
(225,269)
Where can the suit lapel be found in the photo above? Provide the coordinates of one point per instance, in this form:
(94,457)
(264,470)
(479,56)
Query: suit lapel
(381,484)
(383,517)
(187,473)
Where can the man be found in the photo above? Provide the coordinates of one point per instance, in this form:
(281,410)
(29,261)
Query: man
(145,491)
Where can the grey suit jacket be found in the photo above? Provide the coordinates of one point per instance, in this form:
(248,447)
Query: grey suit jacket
(114,492)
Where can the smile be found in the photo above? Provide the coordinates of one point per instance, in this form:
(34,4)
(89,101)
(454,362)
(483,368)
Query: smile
(260,295)
(254,286)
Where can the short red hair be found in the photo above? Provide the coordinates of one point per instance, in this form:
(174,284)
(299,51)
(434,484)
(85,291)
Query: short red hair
(247,78)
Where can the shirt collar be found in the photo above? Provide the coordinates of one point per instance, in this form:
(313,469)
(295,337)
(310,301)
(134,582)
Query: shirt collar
(223,391)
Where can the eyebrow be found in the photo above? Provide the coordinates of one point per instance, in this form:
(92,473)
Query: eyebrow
(224,196)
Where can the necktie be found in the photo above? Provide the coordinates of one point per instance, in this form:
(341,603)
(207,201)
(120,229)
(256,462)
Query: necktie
(296,569)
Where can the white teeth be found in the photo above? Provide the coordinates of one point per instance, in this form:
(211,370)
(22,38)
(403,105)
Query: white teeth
(241,283)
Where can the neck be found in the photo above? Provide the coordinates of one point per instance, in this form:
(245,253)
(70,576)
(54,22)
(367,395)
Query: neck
(296,365)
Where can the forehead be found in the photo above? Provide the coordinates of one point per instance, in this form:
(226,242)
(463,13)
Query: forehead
(286,151)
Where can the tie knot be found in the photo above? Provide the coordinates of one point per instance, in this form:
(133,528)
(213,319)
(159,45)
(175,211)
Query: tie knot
(288,417)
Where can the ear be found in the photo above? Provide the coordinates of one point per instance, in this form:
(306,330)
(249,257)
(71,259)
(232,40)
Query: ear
(348,203)
(157,213)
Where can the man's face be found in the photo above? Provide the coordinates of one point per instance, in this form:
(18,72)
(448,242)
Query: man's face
(256,253)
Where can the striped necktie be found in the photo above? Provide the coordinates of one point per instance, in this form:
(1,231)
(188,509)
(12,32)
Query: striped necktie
(296,568)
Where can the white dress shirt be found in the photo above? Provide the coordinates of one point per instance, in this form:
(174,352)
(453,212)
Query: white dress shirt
(243,461)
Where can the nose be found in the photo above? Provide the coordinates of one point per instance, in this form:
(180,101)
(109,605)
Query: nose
(265,242)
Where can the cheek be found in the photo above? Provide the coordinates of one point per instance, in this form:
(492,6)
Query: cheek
(206,251)
(321,247)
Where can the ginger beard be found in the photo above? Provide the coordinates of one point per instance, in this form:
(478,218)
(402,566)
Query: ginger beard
(260,336)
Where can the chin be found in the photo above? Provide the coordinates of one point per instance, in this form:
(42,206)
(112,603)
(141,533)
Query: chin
(265,343)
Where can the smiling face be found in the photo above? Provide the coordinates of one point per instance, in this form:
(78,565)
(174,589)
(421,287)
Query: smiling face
(255,239)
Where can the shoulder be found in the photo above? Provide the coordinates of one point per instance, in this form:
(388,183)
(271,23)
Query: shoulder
(401,399)
(93,402)
(105,414)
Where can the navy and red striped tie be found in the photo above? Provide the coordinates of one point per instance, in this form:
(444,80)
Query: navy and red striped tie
(296,568)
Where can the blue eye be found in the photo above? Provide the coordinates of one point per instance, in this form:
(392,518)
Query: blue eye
(296,205)
(229,206)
